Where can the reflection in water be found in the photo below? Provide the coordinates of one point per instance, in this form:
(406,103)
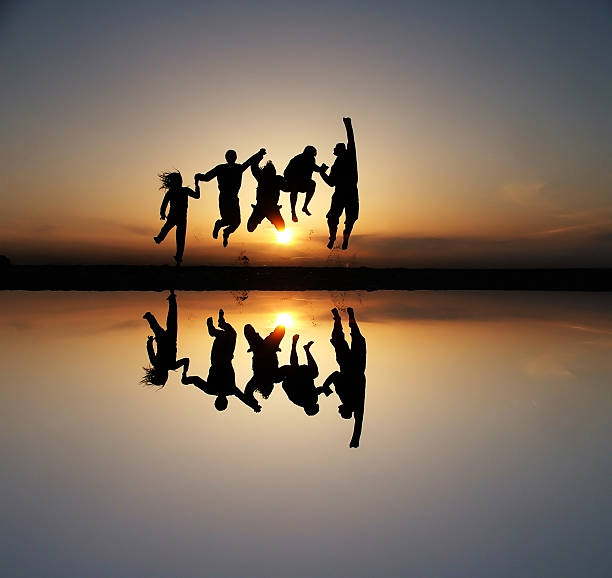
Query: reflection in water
(298,381)
(265,360)
(221,377)
(164,359)
(350,381)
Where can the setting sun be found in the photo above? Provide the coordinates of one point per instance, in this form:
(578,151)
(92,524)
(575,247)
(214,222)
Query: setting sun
(284,319)
(284,236)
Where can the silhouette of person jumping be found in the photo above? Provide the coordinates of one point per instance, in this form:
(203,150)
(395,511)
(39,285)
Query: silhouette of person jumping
(350,381)
(265,360)
(269,186)
(229,179)
(221,380)
(343,176)
(298,380)
(178,197)
(164,359)
(298,177)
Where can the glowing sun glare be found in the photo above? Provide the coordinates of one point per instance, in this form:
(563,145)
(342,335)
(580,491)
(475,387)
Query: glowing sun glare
(283,236)
(284,319)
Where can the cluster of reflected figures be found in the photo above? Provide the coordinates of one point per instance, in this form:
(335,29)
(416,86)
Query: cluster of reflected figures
(298,381)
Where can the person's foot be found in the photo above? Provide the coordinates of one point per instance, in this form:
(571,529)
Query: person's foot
(216,229)
(178,261)
(350,312)
(330,245)
(147,315)
(221,315)
(295,338)
(225,238)
(308,345)
(305,210)
(171,295)
(294,217)
(157,239)
(345,243)
(335,313)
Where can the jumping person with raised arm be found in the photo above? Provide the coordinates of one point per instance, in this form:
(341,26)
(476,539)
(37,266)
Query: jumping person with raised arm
(229,179)
(343,176)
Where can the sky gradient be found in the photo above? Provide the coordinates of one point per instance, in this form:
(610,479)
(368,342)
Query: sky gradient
(484,133)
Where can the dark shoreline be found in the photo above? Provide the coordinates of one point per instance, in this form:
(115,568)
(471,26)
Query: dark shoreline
(157,278)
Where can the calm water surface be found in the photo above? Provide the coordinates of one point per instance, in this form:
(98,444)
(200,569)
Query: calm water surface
(485,448)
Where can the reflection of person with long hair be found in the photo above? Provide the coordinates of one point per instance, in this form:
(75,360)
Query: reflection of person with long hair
(350,381)
(298,380)
(265,360)
(164,359)
(221,380)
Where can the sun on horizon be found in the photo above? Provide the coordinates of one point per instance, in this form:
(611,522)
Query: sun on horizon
(284,237)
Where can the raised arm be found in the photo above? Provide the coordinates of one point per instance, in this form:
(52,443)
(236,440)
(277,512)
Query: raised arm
(350,136)
(164,206)
(254,159)
(256,170)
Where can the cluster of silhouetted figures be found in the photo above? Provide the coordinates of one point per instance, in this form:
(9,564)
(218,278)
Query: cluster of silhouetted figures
(298,381)
(297,178)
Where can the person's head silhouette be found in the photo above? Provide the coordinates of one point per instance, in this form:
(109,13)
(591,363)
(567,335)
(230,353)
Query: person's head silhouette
(230,156)
(339,149)
(310,151)
(269,170)
(171,180)
(345,412)
(221,403)
(312,409)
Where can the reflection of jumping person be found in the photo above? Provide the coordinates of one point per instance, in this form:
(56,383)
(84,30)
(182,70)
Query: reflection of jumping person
(221,378)
(298,176)
(265,360)
(266,206)
(229,179)
(164,359)
(178,197)
(350,381)
(343,176)
(298,380)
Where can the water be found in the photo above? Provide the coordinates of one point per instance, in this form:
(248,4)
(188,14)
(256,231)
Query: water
(485,448)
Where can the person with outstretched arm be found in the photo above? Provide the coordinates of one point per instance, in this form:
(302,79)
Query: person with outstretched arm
(229,179)
(350,381)
(221,381)
(343,176)
(177,196)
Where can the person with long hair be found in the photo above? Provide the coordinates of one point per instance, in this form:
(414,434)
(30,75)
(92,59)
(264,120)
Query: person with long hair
(163,360)
(177,196)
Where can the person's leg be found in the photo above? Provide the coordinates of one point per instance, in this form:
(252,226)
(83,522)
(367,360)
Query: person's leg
(338,340)
(157,329)
(293,200)
(166,228)
(181,231)
(358,343)
(232,220)
(254,220)
(310,191)
(312,364)
(275,217)
(293,358)
(333,217)
(351,215)
(171,319)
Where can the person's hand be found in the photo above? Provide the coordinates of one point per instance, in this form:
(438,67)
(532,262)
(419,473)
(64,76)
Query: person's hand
(324,168)
(262,152)
(150,338)
(257,408)
(162,217)
(346,120)
(354,444)
(327,391)
(197,177)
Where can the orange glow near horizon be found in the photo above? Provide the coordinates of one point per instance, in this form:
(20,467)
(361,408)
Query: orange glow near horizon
(285,319)
(284,237)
